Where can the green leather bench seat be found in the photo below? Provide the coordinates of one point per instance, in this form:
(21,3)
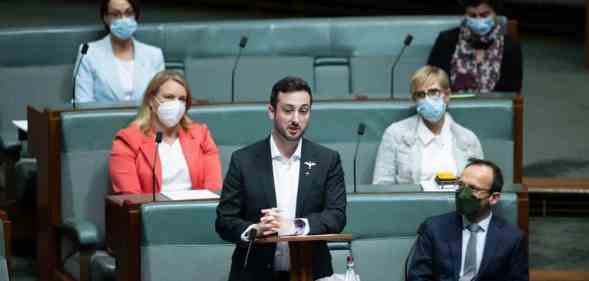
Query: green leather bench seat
(179,239)
(334,124)
(338,56)
(179,242)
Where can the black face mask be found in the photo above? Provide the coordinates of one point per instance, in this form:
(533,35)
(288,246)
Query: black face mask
(466,203)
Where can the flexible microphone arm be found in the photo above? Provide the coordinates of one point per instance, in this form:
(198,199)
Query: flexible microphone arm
(406,43)
(252,237)
(76,70)
(361,129)
(242,44)
(158,140)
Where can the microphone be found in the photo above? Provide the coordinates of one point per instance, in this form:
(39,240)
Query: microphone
(242,44)
(406,44)
(158,140)
(76,70)
(252,237)
(361,129)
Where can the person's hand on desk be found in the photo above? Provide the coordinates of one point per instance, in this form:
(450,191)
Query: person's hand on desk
(270,222)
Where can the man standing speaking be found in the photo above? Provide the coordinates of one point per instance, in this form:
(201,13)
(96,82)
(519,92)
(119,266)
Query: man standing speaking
(284,184)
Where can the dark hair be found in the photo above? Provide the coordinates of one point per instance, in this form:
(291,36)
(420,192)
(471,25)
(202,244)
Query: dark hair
(497,184)
(289,84)
(104,10)
(476,3)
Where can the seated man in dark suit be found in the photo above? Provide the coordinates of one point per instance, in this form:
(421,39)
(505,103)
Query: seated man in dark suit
(286,184)
(472,243)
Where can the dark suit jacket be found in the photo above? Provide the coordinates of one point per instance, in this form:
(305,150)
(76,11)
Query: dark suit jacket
(511,73)
(249,187)
(438,251)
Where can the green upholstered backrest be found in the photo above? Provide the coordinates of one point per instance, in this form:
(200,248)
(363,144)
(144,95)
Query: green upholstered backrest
(86,143)
(334,124)
(179,240)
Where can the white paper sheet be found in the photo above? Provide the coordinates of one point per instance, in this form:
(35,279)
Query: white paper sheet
(194,194)
(21,124)
(432,186)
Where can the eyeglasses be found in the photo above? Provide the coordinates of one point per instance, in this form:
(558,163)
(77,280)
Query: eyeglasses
(118,14)
(429,93)
(477,191)
(479,15)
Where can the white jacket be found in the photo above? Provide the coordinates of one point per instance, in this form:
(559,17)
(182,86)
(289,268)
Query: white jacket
(98,79)
(399,155)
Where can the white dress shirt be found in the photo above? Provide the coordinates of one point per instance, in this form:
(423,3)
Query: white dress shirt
(175,173)
(286,187)
(126,69)
(481,240)
(437,155)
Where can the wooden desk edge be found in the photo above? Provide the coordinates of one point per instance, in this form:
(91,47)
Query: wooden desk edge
(306,238)
(534,183)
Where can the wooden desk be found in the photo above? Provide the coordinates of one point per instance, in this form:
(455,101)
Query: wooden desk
(301,252)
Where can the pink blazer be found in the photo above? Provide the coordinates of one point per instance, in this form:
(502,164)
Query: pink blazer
(132,158)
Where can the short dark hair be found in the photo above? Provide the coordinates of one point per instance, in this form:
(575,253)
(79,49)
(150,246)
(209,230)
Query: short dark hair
(476,3)
(104,11)
(497,184)
(289,84)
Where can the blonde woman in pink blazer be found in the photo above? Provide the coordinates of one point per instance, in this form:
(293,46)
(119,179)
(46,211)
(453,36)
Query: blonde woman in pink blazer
(187,157)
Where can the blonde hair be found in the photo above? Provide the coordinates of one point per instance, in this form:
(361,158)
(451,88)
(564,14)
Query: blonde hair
(428,75)
(145,113)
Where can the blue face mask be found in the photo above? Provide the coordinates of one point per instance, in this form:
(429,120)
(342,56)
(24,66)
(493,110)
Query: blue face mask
(480,26)
(123,28)
(431,109)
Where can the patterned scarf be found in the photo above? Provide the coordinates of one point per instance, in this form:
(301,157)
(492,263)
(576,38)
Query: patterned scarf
(465,73)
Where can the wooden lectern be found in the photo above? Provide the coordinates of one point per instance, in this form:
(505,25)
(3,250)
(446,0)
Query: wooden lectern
(301,252)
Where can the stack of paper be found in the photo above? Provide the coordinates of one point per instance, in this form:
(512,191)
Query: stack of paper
(429,186)
(195,194)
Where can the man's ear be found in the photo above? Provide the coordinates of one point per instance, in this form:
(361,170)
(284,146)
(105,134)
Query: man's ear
(271,112)
(494,198)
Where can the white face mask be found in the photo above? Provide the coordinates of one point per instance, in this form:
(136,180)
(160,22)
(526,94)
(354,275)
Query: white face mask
(171,112)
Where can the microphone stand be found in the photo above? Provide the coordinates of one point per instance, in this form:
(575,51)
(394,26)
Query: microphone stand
(361,129)
(158,140)
(76,70)
(406,43)
(242,44)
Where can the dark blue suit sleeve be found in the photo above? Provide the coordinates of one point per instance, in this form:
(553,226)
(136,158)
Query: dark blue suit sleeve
(421,262)
(519,270)
(230,223)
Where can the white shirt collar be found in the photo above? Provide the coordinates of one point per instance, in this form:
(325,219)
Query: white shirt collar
(276,155)
(427,136)
(484,223)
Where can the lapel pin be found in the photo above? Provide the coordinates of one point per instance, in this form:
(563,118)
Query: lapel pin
(310,164)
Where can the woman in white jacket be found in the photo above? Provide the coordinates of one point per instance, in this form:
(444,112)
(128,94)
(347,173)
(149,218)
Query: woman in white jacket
(117,67)
(415,149)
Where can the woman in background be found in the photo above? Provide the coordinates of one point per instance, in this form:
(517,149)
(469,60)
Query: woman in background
(117,67)
(416,149)
(187,158)
(478,55)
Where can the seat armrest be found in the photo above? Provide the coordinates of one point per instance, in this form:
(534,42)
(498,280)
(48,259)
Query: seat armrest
(84,232)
